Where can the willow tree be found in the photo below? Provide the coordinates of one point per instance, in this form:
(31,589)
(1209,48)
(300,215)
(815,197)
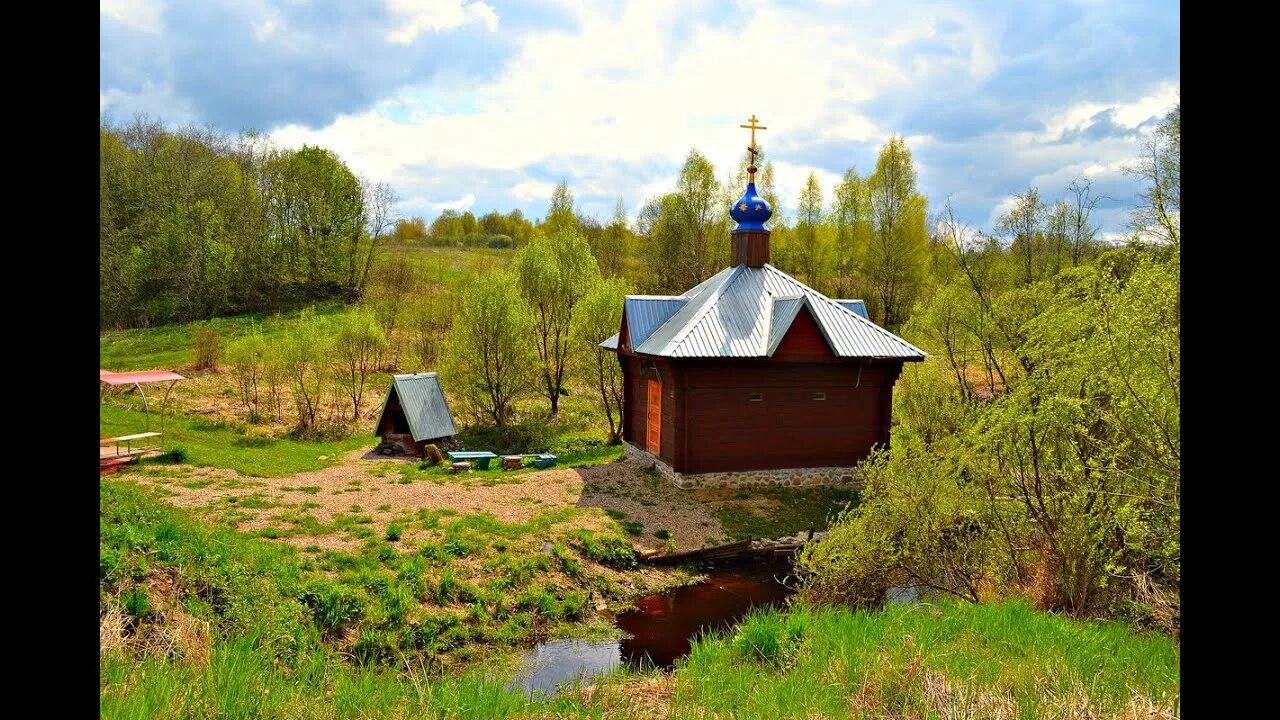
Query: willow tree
(553,272)
(487,355)
(600,318)
(895,258)
(357,345)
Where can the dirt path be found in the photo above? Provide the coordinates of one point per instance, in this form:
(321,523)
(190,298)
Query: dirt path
(374,487)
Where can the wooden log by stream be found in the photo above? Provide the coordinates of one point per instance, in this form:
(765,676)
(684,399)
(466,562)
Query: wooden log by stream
(741,549)
(715,552)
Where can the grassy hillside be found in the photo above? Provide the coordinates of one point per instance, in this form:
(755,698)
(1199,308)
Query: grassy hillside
(210,444)
(203,622)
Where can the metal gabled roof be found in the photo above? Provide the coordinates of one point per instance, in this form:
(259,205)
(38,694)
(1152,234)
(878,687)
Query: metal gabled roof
(782,315)
(646,313)
(424,406)
(611,342)
(732,314)
(857,306)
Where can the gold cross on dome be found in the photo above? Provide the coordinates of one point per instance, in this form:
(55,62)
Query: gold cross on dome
(753,127)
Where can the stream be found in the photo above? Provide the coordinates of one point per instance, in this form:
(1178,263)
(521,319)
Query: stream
(661,627)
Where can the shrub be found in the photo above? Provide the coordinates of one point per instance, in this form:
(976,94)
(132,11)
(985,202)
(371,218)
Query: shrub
(136,602)
(770,638)
(208,346)
(605,549)
(397,601)
(373,647)
(508,439)
(173,456)
(332,605)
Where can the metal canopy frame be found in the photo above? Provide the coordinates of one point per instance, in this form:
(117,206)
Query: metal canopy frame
(137,380)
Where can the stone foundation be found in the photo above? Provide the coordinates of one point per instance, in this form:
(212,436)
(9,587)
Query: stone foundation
(789,477)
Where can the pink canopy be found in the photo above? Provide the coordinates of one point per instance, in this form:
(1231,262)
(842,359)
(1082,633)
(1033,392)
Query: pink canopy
(139,377)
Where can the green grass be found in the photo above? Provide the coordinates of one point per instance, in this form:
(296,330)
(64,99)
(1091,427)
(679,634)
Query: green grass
(278,633)
(919,661)
(209,445)
(796,510)
(170,346)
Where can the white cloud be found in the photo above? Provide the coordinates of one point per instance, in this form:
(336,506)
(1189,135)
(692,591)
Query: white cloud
(615,101)
(138,14)
(1126,114)
(617,93)
(532,190)
(420,16)
(463,203)
(789,180)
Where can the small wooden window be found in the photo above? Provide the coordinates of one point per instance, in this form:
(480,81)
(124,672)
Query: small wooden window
(818,396)
(756,397)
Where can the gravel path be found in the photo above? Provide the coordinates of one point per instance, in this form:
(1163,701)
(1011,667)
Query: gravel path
(373,486)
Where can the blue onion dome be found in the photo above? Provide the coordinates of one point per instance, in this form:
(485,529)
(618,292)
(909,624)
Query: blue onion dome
(750,210)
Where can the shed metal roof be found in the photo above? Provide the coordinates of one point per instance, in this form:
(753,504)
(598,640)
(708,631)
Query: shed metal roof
(745,311)
(424,406)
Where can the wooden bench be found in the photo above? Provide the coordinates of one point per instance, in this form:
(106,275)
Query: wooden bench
(127,440)
(543,461)
(482,457)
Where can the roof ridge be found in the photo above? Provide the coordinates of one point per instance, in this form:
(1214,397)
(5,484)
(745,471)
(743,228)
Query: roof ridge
(833,303)
(705,306)
(770,346)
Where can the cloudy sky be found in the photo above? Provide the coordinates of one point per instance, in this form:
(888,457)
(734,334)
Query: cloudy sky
(483,104)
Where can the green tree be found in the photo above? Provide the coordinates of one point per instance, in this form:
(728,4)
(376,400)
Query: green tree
(600,317)
(920,525)
(611,249)
(896,256)
(1025,223)
(319,209)
(686,231)
(554,271)
(305,356)
(702,218)
(561,214)
(430,317)
(851,217)
(488,354)
(246,359)
(357,344)
(1159,210)
(809,229)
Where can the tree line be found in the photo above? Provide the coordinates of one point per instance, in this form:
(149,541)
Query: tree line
(1038,451)
(195,223)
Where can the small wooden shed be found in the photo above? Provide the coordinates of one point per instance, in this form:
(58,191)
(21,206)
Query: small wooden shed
(415,414)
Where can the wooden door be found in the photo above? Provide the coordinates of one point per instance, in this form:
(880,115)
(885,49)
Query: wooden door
(653,438)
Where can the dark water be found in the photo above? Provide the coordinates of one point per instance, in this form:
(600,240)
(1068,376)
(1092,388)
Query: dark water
(661,627)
